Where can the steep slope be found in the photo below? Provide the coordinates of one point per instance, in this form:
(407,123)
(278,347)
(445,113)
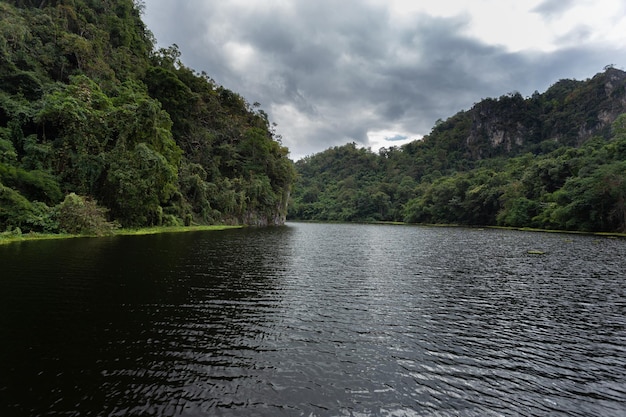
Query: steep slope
(556,160)
(89,110)
(568,113)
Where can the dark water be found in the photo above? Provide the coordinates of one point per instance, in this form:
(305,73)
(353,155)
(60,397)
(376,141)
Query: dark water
(315,320)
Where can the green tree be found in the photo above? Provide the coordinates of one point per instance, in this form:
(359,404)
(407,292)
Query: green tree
(82,215)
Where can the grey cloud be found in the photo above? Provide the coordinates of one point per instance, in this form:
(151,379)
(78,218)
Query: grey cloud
(553,8)
(577,35)
(397,137)
(348,68)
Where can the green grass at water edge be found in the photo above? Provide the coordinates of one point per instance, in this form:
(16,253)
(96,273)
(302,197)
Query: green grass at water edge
(170,229)
(8,237)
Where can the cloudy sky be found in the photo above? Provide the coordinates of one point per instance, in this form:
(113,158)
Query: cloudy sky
(382,72)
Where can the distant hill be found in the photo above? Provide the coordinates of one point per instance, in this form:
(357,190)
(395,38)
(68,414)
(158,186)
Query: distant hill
(568,113)
(98,128)
(555,160)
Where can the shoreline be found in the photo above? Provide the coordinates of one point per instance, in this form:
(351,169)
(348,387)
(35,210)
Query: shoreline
(521,229)
(153,230)
(8,238)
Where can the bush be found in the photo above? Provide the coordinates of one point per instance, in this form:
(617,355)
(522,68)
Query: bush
(81,215)
(17,212)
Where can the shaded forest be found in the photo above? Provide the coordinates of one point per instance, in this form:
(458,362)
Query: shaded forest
(556,160)
(99,129)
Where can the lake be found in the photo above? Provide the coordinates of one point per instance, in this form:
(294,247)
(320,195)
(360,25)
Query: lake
(315,320)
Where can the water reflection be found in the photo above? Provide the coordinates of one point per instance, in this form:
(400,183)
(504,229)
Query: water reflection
(314,320)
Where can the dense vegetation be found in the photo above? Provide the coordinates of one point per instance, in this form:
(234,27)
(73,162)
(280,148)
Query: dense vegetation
(555,160)
(99,129)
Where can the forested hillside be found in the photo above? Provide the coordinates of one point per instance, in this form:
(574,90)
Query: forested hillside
(99,129)
(556,160)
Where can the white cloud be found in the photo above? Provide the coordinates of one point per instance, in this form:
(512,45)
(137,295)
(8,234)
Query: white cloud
(378,139)
(518,26)
(364,70)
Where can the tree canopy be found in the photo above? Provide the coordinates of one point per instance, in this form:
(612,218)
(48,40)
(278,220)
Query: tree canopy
(554,160)
(90,110)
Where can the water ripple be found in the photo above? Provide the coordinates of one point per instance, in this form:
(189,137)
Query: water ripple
(316,320)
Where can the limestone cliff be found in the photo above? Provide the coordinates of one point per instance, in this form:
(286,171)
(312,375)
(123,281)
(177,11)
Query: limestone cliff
(568,113)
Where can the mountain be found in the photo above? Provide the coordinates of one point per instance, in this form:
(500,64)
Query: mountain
(568,113)
(555,160)
(97,126)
